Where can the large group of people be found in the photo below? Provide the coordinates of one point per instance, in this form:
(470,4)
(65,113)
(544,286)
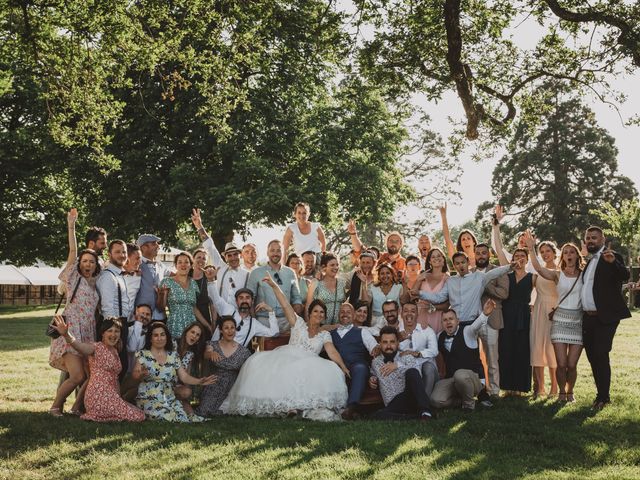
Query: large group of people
(140,340)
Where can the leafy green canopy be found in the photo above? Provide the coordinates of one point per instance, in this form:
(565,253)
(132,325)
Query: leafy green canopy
(142,110)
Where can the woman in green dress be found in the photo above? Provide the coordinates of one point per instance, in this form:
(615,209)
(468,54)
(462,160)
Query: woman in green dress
(180,293)
(158,367)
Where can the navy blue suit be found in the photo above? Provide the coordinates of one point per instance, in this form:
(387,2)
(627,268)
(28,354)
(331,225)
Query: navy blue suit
(356,357)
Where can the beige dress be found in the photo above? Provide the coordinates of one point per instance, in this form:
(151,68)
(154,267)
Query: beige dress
(542,353)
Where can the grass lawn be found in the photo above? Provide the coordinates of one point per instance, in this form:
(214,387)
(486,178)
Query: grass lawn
(518,438)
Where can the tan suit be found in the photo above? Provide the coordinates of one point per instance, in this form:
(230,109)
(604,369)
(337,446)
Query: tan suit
(497,290)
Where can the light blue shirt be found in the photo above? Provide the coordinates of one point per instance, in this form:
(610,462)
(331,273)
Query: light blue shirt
(107,285)
(286,280)
(465,293)
(152,275)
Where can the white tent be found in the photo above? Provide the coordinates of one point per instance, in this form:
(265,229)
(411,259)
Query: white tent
(28,285)
(10,275)
(42,275)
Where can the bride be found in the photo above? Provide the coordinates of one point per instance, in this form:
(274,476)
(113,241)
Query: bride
(293,377)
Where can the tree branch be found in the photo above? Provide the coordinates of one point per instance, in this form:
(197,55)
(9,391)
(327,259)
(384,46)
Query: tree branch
(628,37)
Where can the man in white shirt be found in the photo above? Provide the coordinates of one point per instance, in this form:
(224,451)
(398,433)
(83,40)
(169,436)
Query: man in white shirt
(135,342)
(464,378)
(114,298)
(422,344)
(247,326)
(231,276)
(464,291)
(604,307)
(249,256)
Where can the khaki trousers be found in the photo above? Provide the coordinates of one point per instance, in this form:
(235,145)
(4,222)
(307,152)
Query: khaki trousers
(462,388)
(489,338)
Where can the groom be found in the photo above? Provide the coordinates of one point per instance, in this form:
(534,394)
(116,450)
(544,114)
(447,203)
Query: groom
(355,346)
(603,306)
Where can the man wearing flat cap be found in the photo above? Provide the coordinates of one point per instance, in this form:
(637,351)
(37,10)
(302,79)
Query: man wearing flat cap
(153,271)
(247,326)
(231,276)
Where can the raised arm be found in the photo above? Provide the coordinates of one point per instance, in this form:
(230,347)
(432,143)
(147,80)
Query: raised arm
(481,321)
(288,310)
(272,330)
(451,248)
(207,241)
(321,238)
(72,216)
(286,243)
(356,243)
(495,273)
(310,292)
(63,329)
(222,306)
(553,275)
(496,239)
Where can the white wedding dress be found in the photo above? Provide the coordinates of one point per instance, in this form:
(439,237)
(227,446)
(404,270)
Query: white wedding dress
(291,377)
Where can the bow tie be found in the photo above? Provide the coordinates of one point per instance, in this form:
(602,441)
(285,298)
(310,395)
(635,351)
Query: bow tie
(149,262)
(124,273)
(344,327)
(450,336)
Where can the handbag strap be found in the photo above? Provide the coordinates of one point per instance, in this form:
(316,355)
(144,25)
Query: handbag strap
(59,303)
(570,290)
(73,295)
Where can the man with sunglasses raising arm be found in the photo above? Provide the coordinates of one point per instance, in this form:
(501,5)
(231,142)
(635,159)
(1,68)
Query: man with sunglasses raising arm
(231,276)
(247,326)
(286,280)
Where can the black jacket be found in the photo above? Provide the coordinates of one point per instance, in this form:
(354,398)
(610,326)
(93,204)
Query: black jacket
(607,289)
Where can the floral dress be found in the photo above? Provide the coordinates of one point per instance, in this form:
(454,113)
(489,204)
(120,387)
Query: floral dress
(102,398)
(155,393)
(79,314)
(227,371)
(180,302)
(332,299)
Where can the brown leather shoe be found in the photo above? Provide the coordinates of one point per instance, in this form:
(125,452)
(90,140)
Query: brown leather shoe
(349,414)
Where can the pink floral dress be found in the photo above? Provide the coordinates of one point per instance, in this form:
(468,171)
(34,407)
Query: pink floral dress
(102,398)
(79,314)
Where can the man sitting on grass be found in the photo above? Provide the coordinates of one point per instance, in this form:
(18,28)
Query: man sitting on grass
(464,377)
(399,380)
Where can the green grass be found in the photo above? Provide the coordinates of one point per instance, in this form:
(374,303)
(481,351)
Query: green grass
(518,438)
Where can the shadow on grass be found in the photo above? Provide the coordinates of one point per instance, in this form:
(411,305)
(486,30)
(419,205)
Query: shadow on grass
(513,439)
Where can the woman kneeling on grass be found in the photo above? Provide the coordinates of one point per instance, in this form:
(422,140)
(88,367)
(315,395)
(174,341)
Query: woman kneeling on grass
(159,367)
(102,398)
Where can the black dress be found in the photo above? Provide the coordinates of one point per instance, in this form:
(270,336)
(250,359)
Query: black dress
(513,343)
(202,300)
